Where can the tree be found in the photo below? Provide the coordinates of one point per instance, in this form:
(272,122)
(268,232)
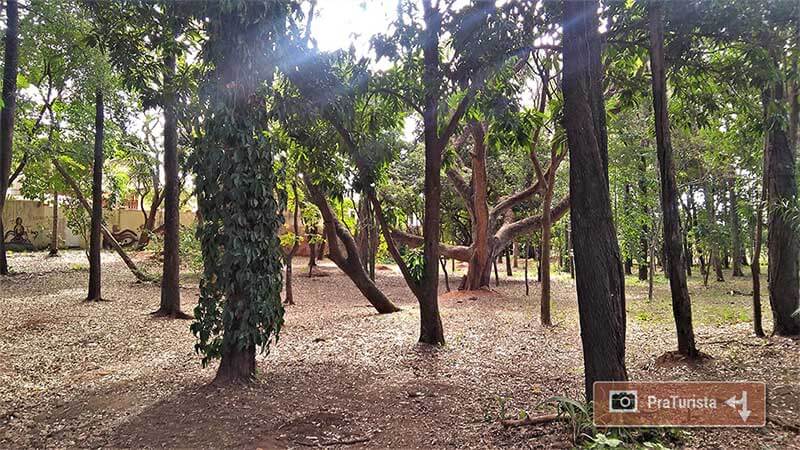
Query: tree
(598,265)
(122,28)
(240,306)
(95,244)
(782,244)
(294,244)
(10,68)
(681,303)
(170,305)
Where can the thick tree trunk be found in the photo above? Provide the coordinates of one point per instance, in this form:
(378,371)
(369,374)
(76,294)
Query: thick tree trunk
(238,365)
(10,68)
(673,262)
(170,279)
(348,260)
(95,240)
(784,285)
(483,253)
(54,231)
(598,265)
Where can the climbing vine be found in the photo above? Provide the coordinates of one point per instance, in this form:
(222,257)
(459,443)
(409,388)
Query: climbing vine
(239,308)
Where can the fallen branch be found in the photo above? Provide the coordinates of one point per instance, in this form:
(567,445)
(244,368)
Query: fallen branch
(536,420)
(351,441)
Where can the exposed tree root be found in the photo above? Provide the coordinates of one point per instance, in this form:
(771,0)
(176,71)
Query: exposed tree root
(171,314)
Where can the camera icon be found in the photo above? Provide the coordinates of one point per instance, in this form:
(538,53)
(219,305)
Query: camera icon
(622,401)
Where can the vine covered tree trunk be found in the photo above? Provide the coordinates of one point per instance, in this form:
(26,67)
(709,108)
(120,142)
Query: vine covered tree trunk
(598,265)
(10,68)
(54,231)
(784,285)
(674,261)
(240,291)
(95,241)
(170,279)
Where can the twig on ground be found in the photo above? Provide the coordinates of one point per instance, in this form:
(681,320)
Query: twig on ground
(536,420)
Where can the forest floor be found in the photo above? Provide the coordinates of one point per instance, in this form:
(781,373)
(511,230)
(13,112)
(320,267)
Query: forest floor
(74,374)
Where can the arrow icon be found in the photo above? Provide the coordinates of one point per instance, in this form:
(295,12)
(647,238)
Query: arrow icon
(744,413)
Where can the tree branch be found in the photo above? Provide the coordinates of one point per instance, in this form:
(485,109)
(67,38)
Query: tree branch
(390,244)
(458,252)
(511,231)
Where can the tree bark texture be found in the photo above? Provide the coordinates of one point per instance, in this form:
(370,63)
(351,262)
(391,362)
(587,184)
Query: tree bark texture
(598,265)
(673,245)
(95,239)
(10,68)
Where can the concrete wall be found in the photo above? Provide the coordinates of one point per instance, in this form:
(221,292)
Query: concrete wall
(37,218)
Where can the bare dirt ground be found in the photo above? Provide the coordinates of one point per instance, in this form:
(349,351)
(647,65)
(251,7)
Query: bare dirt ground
(74,374)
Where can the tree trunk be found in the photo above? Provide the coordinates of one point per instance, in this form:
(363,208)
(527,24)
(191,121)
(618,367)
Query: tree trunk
(598,265)
(150,219)
(644,232)
(312,250)
(238,365)
(509,273)
(515,251)
(170,279)
(527,284)
(714,260)
(10,68)
(443,261)
(54,232)
(736,237)
(544,310)
(95,241)
(295,245)
(691,223)
(431,331)
(76,190)
(481,261)
(784,285)
(348,260)
(674,263)
(758,232)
